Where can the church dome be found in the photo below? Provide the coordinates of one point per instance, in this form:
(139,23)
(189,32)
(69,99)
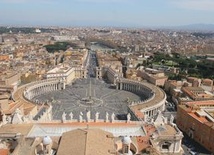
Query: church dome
(126,140)
(47,140)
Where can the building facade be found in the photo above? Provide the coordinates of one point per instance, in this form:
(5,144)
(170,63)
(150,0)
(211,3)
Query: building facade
(197,120)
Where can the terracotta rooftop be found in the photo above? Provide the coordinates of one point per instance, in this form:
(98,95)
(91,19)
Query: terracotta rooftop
(202,111)
(139,114)
(142,142)
(201,119)
(86,142)
(16,128)
(201,103)
(4,152)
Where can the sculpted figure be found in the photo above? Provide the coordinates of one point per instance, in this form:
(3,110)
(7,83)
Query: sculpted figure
(97,116)
(112,117)
(88,115)
(64,116)
(71,116)
(107,115)
(4,119)
(128,117)
(171,119)
(80,117)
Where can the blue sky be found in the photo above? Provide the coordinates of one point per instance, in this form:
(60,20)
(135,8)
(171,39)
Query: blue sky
(106,12)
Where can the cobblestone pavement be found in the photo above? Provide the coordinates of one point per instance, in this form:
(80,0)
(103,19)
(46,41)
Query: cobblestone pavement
(90,94)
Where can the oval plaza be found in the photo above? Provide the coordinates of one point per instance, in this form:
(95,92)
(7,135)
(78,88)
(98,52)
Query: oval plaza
(94,95)
(90,103)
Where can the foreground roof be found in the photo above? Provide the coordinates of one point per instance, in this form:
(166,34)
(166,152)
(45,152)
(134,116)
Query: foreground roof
(86,142)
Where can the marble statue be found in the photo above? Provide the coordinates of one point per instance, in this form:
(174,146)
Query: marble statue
(18,111)
(112,117)
(107,115)
(49,116)
(97,116)
(17,117)
(88,115)
(49,112)
(4,119)
(80,117)
(71,116)
(63,117)
(145,117)
(171,119)
(9,119)
(128,117)
(25,119)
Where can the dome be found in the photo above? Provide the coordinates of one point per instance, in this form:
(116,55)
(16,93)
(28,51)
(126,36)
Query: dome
(130,153)
(126,140)
(47,140)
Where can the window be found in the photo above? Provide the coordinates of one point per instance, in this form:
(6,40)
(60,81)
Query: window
(126,149)
(166,145)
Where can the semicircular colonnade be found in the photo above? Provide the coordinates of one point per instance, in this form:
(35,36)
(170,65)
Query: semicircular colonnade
(154,97)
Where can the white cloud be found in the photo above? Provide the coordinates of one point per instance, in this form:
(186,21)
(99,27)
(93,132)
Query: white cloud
(203,5)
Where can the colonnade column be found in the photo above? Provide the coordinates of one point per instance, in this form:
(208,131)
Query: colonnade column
(64,85)
(152,112)
(121,86)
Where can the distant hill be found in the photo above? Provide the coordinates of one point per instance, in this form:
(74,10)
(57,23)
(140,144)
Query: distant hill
(195,27)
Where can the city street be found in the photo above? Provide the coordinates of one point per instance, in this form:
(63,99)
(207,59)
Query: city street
(191,147)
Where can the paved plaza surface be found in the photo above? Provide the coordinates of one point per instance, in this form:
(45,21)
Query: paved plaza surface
(92,95)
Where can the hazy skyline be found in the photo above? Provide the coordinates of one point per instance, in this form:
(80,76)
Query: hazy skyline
(106,12)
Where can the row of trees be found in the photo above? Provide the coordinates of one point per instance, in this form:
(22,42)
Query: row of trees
(60,46)
(201,68)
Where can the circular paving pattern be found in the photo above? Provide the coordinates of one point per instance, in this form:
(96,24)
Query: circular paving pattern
(92,95)
(90,101)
